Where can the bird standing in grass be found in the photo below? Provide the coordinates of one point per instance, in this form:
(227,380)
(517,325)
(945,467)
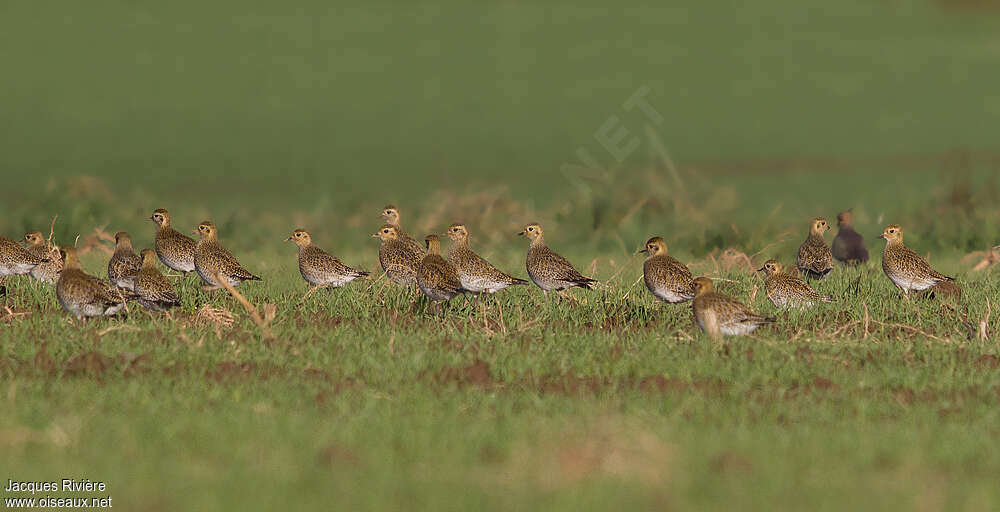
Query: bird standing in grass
(125,263)
(390,215)
(437,278)
(666,278)
(175,250)
(47,271)
(318,268)
(848,245)
(716,313)
(211,259)
(904,267)
(548,270)
(83,295)
(152,289)
(16,260)
(815,258)
(476,274)
(784,289)
(398,259)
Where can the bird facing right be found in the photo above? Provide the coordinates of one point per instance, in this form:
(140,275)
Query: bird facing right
(83,295)
(784,289)
(319,268)
(47,271)
(717,313)
(548,270)
(848,245)
(666,278)
(152,289)
(903,266)
(477,274)
(815,258)
(175,250)
(15,259)
(211,259)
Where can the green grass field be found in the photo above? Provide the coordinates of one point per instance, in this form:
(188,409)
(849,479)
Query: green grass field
(266,119)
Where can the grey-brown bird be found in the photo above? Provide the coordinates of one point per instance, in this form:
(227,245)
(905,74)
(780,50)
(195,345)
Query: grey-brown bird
(175,250)
(848,246)
(815,258)
(904,267)
(17,260)
(716,313)
(476,274)
(784,289)
(390,215)
(47,271)
(318,268)
(84,295)
(548,270)
(152,289)
(666,278)
(125,263)
(398,259)
(211,259)
(437,278)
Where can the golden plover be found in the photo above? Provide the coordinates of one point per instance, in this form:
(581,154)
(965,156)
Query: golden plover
(15,259)
(390,215)
(437,278)
(125,263)
(666,278)
(152,289)
(175,250)
(83,295)
(784,289)
(211,258)
(476,274)
(904,267)
(319,268)
(848,245)
(815,258)
(548,270)
(717,313)
(396,256)
(47,271)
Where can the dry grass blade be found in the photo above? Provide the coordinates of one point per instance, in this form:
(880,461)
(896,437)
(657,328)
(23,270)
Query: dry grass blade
(120,327)
(251,309)
(10,314)
(985,322)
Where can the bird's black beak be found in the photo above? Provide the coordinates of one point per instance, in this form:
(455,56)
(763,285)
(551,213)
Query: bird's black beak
(520,233)
(643,251)
(289,239)
(761,269)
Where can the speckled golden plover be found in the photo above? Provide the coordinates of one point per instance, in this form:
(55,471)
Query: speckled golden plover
(397,258)
(548,270)
(211,259)
(784,289)
(390,215)
(175,250)
(125,263)
(83,295)
(476,274)
(15,260)
(318,268)
(152,289)
(437,278)
(848,245)
(666,278)
(904,267)
(47,271)
(815,258)
(716,313)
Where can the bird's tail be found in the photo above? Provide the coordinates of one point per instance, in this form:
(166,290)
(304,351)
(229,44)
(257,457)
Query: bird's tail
(585,282)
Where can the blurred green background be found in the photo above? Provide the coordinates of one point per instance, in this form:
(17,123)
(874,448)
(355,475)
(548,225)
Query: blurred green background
(233,107)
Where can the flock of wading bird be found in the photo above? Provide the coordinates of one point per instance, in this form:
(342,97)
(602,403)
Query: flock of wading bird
(440,277)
